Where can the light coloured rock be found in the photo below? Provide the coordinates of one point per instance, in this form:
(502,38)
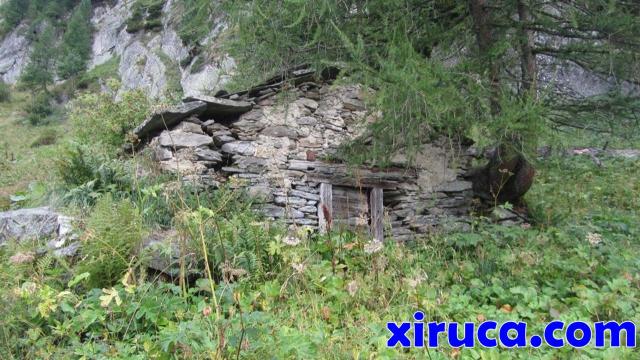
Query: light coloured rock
(353,104)
(308,103)
(40,224)
(207,154)
(240,148)
(162,153)
(280,131)
(190,127)
(28,224)
(179,139)
(454,186)
(14,55)
(220,108)
(183,166)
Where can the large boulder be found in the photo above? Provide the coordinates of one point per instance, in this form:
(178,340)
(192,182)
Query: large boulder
(39,224)
(28,224)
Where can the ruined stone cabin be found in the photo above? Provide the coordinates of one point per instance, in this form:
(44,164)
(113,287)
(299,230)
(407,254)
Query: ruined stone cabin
(279,141)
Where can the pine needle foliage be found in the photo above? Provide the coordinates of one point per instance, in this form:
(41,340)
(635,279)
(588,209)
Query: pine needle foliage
(385,45)
(432,71)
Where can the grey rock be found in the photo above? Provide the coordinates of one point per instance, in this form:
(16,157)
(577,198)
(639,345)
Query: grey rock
(162,154)
(167,119)
(309,209)
(28,224)
(190,127)
(284,200)
(260,192)
(280,131)
(306,120)
(304,195)
(220,140)
(68,251)
(454,186)
(179,139)
(353,104)
(217,107)
(251,163)
(14,55)
(305,222)
(207,154)
(275,211)
(240,148)
(195,120)
(308,103)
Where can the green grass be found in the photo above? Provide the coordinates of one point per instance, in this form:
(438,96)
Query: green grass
(337,303)
(20,163)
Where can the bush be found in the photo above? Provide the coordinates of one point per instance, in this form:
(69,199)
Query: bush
(99,119)
(40,109)
(87,173)
(114,232)
(5,92)
(145,14)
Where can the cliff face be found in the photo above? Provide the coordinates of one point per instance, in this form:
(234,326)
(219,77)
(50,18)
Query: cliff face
(152,60)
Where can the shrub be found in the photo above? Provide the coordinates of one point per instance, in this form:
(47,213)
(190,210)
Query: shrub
(5,92)
(40,109)
(99,119)
(114,232)
(145,14)
(86,173)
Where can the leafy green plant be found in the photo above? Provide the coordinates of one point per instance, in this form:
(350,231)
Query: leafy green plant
(99,119)
(114,232)
(40,109)
(87,173)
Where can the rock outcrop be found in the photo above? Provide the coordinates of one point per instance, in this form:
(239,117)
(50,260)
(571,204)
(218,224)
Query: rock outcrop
(14,55)
(39,224)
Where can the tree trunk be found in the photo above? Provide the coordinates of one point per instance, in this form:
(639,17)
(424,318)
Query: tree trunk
(484,37)
(528,65)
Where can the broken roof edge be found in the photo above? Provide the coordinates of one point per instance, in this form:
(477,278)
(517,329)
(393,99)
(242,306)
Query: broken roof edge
(225,105)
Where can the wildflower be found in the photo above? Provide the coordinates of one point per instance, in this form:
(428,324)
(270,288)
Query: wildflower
(352,287)
(291,240)
(206,311)
(298,267)
(373,247)
(594,239)
(526,226)
(22,258)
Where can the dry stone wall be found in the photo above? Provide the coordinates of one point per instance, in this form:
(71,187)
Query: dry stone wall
(277,145)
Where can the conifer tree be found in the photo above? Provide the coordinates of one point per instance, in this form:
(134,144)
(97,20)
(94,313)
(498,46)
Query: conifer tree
(39,72)
(75,49)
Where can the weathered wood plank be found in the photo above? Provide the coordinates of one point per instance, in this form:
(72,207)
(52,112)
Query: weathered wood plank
(377,213)
(325,206)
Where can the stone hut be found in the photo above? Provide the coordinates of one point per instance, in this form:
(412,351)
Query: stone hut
(278,140)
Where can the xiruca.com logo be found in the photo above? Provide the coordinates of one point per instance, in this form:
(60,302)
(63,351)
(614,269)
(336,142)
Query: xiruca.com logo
(510,334)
